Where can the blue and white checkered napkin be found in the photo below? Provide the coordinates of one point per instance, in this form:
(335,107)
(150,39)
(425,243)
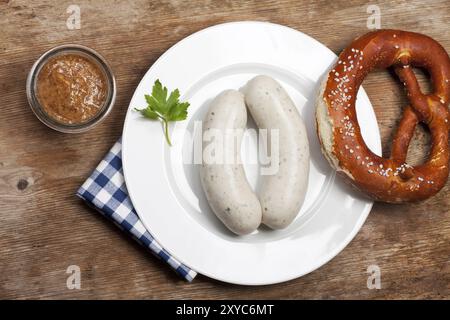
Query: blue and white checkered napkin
(105,190)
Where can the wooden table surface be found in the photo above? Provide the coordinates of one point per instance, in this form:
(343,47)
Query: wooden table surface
(44,228)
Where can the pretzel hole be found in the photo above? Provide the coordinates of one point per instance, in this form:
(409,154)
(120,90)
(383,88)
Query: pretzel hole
(386,96)
(423,78)
(388,99)
(420,146)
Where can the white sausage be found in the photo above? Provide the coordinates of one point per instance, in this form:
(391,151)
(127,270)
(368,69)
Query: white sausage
(225,184)
(282,194)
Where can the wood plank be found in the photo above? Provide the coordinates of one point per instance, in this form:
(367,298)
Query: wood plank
(45,228)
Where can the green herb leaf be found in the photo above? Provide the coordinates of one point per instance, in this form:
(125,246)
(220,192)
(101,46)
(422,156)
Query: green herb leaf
(163,108)
(179,113)
(148,113)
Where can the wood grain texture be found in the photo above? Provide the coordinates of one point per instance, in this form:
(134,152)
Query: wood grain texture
(45,228)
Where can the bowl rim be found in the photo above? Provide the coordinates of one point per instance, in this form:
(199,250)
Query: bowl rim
(36,106)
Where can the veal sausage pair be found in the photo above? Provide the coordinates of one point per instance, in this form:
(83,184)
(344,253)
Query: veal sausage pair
(225,184)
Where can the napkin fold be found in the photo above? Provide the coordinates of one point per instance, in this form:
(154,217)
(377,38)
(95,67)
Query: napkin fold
(105,190)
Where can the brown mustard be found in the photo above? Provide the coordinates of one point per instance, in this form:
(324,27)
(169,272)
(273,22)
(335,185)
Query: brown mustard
(71,88)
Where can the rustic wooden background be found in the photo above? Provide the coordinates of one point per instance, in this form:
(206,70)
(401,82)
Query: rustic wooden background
(44,228)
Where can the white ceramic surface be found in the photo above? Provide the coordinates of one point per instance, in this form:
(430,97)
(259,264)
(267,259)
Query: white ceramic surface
(165,188)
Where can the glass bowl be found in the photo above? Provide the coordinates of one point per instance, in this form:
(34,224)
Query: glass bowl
(92,56)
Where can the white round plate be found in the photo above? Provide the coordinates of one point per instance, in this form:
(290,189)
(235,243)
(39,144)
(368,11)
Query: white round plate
(164,185)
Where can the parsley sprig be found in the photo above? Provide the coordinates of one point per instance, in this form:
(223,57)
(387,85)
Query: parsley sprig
(159,107)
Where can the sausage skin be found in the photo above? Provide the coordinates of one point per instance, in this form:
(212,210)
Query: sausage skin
(224,182)
(283,192)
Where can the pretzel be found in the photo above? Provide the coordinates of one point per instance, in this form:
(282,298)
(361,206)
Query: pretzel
(387,179)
